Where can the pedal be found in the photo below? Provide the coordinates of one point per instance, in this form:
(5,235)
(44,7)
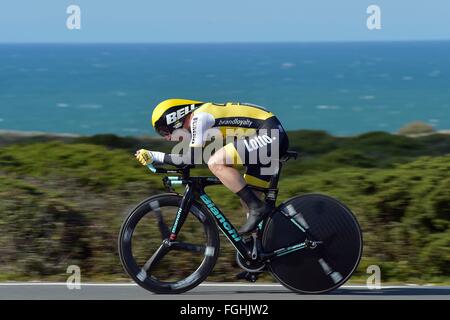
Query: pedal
(249,276)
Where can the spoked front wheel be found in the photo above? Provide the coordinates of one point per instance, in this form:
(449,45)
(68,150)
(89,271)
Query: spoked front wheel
(164,266)
(330,243)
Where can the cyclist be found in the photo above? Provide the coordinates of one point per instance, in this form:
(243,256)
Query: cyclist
(255,131)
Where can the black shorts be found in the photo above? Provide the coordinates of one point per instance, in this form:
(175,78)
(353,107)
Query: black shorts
(260,153)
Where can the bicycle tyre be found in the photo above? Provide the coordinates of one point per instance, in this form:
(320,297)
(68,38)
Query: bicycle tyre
(148,281)
(331,264)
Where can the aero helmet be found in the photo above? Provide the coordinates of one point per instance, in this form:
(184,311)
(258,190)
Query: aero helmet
(169,114)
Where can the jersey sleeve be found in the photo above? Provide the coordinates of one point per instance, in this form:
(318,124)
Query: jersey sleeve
(200,123)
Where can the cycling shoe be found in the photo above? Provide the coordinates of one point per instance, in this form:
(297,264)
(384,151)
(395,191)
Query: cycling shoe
(254,218)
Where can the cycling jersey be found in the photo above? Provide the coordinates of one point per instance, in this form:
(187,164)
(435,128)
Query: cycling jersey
(256,131)
(226,118)
(257,142)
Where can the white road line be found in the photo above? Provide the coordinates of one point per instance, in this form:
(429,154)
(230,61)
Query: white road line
(89,284)
(65,284)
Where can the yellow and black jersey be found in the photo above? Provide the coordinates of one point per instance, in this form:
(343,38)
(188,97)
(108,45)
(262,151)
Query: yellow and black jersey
(227,118)
(258,138)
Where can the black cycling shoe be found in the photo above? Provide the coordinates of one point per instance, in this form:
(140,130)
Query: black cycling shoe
(254,218)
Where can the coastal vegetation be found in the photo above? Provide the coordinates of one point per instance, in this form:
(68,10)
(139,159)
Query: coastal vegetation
(63,200)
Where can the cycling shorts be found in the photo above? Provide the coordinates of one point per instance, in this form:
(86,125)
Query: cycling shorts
(260,153)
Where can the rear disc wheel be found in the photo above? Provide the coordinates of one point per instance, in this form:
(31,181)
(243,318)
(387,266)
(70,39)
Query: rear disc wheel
(335,257)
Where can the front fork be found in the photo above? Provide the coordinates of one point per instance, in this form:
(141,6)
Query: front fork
(182,212)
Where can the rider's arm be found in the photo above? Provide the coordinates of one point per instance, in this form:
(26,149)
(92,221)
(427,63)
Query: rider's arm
(190,157)
(200,123)
(146,157)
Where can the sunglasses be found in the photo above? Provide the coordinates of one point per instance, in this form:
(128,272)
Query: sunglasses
(164,131)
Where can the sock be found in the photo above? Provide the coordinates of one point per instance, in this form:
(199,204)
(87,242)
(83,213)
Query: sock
(250,198)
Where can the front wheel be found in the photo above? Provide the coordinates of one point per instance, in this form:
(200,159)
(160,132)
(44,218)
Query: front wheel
(160,265)
(337,243)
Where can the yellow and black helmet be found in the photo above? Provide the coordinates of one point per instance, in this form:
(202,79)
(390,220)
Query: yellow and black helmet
(169,114)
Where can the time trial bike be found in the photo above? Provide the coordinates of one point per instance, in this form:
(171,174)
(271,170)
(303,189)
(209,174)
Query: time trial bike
(169,243)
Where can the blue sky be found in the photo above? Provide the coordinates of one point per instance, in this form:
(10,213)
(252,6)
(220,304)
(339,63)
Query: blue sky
(222,21)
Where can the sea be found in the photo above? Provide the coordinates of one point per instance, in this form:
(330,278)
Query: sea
(344,88)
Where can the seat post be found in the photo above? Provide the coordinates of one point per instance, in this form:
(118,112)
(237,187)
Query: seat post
(272,191)
(288,155)
(274,179)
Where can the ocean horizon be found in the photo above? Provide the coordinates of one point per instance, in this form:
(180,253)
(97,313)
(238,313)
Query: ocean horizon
(344,88)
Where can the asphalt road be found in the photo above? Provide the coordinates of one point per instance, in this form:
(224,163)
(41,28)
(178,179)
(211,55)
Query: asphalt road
(213,291)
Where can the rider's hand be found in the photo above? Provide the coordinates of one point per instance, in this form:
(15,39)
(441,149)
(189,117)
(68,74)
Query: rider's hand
(145,157)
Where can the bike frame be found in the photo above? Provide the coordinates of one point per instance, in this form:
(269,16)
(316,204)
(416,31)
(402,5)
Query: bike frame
(194,191)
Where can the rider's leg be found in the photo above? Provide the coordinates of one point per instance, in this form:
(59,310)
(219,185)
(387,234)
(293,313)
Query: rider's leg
(220,165)
(230,177)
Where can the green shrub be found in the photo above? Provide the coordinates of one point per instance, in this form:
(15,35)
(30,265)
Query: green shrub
(417,127)
(63,203)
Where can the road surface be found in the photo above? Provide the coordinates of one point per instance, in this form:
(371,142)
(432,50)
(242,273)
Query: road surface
(213,291)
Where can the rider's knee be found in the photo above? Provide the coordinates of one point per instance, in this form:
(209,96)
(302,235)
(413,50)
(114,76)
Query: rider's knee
(214,165)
